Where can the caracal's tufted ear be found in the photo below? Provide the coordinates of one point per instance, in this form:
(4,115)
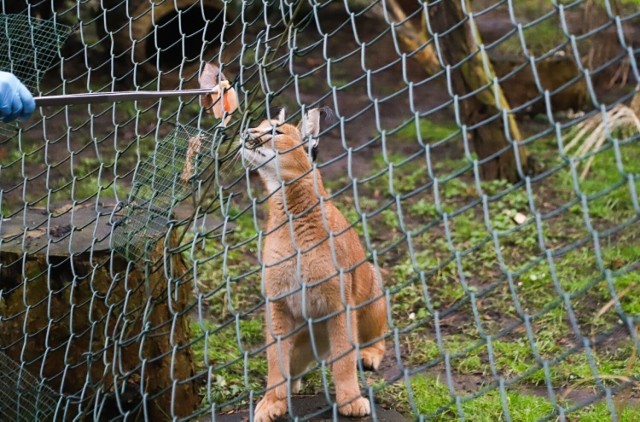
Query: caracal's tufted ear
(282,116)
(310,125)
(309,128)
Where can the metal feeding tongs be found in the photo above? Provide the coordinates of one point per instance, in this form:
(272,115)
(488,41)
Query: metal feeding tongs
(109,97)
(217,95)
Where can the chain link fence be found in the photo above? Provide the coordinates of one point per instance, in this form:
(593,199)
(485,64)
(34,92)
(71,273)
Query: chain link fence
(484,151)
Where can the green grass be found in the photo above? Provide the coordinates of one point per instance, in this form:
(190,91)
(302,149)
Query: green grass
(223,352)
(225,343)
(575,271)
(433,400)
(429,130)
(600,412)
(432,397)
(633,4)
(540,38)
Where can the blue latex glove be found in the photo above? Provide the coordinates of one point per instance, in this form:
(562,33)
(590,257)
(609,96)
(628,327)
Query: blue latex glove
(15,99)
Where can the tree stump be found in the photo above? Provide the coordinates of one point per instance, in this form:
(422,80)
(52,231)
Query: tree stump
(111,336)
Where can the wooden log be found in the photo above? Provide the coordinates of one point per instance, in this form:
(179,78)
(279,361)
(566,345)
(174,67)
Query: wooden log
(112,336)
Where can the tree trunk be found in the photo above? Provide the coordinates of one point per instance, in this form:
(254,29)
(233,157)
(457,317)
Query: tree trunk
(412,32)
(495,151)
(109,335)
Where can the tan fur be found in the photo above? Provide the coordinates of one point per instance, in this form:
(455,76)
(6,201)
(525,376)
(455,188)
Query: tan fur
(297,242)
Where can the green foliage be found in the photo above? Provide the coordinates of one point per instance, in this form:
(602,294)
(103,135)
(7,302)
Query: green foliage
(423,208)
(390,218)
(429,394)
(217,341)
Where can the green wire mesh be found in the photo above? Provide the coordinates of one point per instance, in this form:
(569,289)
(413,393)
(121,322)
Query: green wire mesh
(507,301)
(24,397)
(161,182)
(28,48)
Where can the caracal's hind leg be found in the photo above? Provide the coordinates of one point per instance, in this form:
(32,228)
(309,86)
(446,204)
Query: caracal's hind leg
(372,320)
(278,323)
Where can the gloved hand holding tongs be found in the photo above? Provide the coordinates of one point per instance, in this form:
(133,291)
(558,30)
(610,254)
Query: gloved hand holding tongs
(15,99)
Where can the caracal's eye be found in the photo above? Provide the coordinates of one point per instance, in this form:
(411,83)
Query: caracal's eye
(273,131)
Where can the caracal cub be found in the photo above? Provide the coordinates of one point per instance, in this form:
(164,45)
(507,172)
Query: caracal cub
(314,267)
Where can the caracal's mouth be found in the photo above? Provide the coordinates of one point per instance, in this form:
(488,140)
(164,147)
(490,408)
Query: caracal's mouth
(254,158)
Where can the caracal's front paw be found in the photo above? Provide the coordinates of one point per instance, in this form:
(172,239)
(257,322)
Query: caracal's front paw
(371,357)
(270,408)
(296,386)
(356,408)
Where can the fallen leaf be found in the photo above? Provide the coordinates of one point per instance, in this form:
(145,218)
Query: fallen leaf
(519,218)
(62,210)
(35,233)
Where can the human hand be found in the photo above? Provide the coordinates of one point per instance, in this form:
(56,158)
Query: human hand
(15,99)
